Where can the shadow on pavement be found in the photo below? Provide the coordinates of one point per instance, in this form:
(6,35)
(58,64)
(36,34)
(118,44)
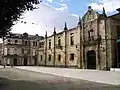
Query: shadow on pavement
(8,84)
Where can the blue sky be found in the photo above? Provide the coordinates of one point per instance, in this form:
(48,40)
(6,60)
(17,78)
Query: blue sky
(80,6)
(54,13)
(74,6)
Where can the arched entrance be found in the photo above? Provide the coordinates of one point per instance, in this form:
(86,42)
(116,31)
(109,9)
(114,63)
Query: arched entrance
(15,62)
(25,61)
(91,59)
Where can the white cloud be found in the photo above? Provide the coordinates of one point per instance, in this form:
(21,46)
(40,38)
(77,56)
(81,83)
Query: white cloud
(75,15)
(50,1)
(45,18)
(62,0)
(63,7)
(109,5)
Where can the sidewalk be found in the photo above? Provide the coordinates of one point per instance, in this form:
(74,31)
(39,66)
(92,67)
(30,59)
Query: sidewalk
(90,75)
(5,66)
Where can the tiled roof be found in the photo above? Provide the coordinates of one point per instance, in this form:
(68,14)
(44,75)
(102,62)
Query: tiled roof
(22,36)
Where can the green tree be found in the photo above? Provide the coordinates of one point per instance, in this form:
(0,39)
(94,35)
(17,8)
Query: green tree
(11,10)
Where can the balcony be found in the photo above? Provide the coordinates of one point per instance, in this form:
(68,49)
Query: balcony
(59,47)
(92,41)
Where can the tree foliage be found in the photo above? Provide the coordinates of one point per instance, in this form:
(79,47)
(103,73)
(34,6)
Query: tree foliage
(11,10)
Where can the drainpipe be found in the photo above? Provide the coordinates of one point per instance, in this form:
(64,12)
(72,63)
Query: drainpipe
(65,29)
(45,48)
(83,48)
(65,50)
(54,46)
(106,45)
(80,40)
(98,37)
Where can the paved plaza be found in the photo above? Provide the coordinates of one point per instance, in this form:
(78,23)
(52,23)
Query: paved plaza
(18,79)
(107,77)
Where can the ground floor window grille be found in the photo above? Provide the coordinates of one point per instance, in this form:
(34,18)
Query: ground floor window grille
(41,57)
(72,57)
(49,58)
(59,57)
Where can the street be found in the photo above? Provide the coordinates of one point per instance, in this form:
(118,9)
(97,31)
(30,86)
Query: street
(17,79)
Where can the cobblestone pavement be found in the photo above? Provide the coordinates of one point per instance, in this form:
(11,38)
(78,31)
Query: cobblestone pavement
(16,79)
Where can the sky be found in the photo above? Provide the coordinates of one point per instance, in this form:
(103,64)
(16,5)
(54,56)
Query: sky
(54,13)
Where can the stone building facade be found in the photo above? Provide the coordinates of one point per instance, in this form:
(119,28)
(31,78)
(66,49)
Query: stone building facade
(21,49)
(92,44)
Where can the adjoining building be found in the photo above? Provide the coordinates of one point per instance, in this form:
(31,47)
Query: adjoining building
(21,49)
(93,44)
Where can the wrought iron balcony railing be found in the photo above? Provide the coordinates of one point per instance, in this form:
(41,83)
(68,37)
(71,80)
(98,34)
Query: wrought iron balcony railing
(59,47)
(92,41)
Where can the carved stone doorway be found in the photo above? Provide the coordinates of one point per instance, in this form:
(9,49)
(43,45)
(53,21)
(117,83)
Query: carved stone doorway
(91,59)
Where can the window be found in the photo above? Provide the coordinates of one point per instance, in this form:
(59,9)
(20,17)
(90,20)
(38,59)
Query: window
(36,43)
(49,44)
(76,46)
(28,51)
(8,41)
(71,57)
(16,41)
(40,45)
(22,51)
(28,42)
(41,57)
(25,42)
(49,58)
(59,42)
(35,52)
(8,51)
(71,40)
(118,32)
(59,57)
(15,49)
(90,35)
(33,43)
